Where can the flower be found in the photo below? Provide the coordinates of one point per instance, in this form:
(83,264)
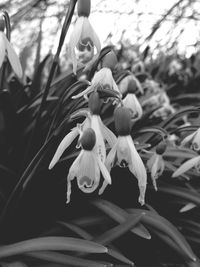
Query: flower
(87,166)
(130,84)
(7,49)
(130,101)
(104,79)
(156,166)
(193,138)
(83,33)
(194,162)
(124,152)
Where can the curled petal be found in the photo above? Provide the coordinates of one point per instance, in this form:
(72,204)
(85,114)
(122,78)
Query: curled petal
(67,140)
(157,169)
(2,48)
(13,58)
(186,166)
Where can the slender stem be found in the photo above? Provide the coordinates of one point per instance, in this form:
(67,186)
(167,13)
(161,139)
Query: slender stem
(54,65)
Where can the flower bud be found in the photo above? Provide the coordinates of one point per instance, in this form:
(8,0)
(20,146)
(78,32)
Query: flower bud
(110,60)
(161,147)
(94,103)
(84,8)
(2,24)
(122,117)
(88,139)
(131,87)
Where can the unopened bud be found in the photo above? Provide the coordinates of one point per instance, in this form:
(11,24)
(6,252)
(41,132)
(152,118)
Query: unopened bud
(94,103)
(160,149)
(84,8)
(122,117)
(131,87)
(2,24)
(88,139)
(110,60)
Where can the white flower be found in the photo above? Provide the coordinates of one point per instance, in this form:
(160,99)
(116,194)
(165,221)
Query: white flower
(130,101)
(83,30)
(125,154)
(102,78)
(7,49)
(156,166)
(194,162)
(86,168)
(193,138)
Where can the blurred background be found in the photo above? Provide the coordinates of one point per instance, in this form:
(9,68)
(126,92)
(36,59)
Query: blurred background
(167,27)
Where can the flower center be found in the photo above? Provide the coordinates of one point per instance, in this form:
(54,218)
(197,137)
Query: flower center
(85,181)
(85,43)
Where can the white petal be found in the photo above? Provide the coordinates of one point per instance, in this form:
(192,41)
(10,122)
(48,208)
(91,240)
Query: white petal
(74,39)
(138,169)
(2,49)
(186,166)
(100,145)
(89,32)
(72,174)
(131,102)
(111,157)
(137,163)
(89,169)
(188,207)
(99,77)
(188,138)
(13,58)
(103,187)
(107,134)
(67,140)
(104,171)
(196,141)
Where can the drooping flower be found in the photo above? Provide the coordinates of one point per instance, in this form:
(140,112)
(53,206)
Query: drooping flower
(6,49)
(194,139)
(87,166)
(124,152)
(102,78)
(194,162)
(156,163)
(83,33)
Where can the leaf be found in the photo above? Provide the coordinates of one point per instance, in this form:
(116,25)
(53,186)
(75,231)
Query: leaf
(51,243)
(66,260)
(120,216)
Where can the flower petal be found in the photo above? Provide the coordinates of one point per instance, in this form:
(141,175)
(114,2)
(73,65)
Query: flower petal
(188,207)
(107,134)
(111,157)
(2,49)
(13,58)
(131,102)
(138,169)
(72,174)
(188,138)
(196,141)
(85,92)
(186,166)
(100,145)
(67,140)
(104,171)
(74,39)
